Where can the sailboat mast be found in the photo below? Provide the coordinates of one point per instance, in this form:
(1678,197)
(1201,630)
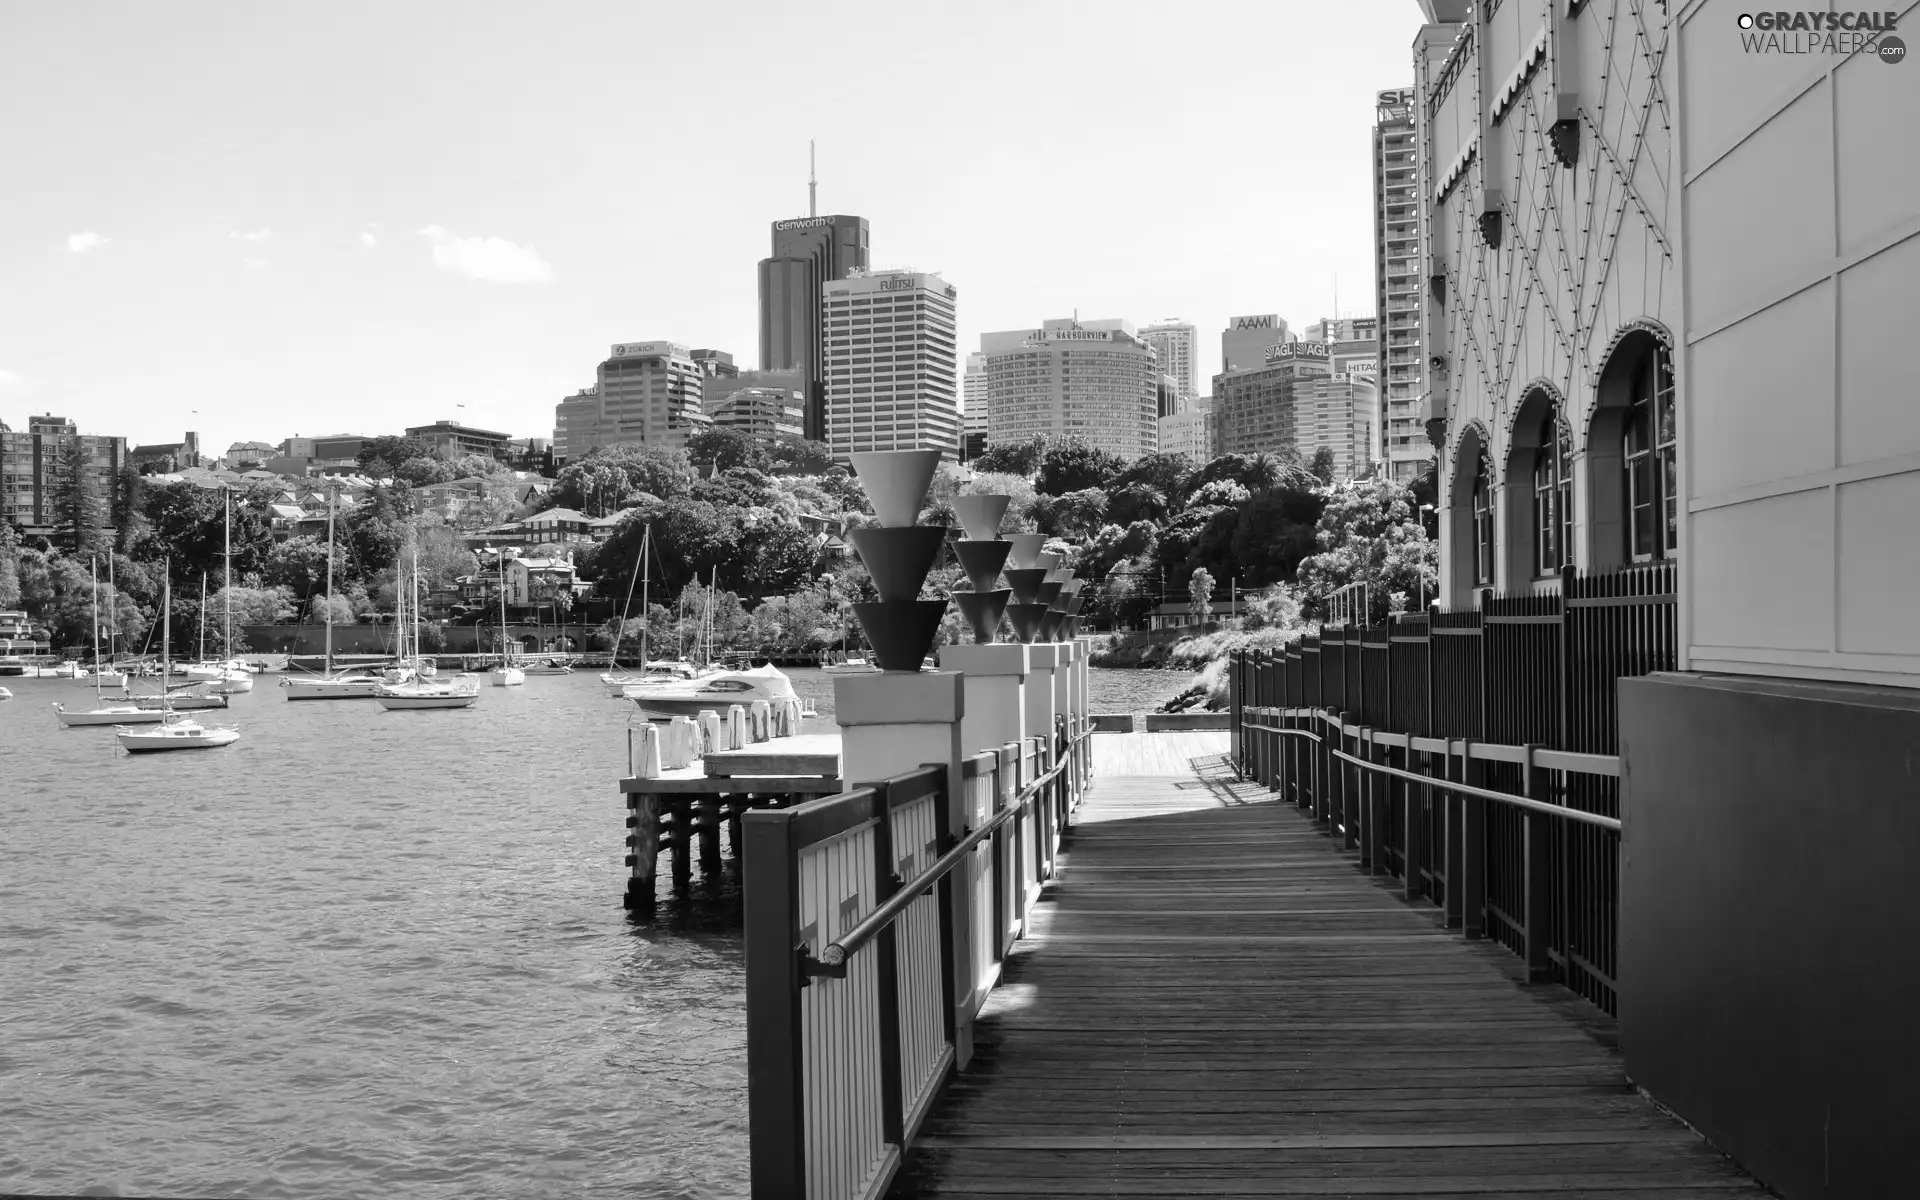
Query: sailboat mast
(97,700)
(329,659)
(646,537)
(201,650)
(226,580)
(113,611)
(166,631)
(501,559)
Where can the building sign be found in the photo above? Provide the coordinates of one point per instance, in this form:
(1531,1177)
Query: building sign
(1296,350)
(1076,335)
(1364,369)
(802,223)
(1264,321)
(633,349)
(899,283)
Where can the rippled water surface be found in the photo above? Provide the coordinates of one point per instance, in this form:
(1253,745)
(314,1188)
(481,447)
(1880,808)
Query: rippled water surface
(362,953)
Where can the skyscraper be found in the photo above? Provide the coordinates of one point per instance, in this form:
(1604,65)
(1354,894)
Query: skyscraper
(1256,410)
(1092,380)
(973,407)
(808,254)
(647,393)
(1397,258)
(1178,344)
(890,359)
(1245,341)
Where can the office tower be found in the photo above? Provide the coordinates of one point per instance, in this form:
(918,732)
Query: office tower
(1397,258)
(1245,341)
(33,467)
(1336,412)
(1177,343)
(973,408)
(1189,431)
(1094,380)
(1168,396)
(1255,409)
(762,413)
(890,362)
(716,389)
(648,393)
(808,254)
(715,364)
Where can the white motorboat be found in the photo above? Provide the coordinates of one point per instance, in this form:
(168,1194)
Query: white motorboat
(718,691)
(65,670)
(347,685)
(231,682)
(174,732)
(106,677)
(5,694)
(850,666)
(506,675)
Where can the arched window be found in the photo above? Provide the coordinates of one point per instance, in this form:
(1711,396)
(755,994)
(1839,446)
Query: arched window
(1652,482)
(1553,496)
(1482,521)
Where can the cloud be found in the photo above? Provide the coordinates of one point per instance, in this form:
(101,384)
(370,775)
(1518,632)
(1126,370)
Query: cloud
(82,243)
(11,379)
(367,239)
(495,260)
(254,264)
(258,235)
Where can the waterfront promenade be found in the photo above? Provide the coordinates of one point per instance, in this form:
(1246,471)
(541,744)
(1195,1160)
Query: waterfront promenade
(1213,1001)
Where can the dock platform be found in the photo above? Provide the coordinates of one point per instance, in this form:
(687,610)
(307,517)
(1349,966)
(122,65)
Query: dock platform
(1213,1001)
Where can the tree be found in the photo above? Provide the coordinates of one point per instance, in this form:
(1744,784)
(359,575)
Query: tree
(1164,473)
(1368,534)
(1074,465)
(376,527)
(1322,466)
(425,470)
(78,509)
(9,565)
(1200,590)
(790,455)
(128,525)
(721,449)
(1012,458)
(605,479)
(381,457)
(186,524)
(300,565)
(1274,532)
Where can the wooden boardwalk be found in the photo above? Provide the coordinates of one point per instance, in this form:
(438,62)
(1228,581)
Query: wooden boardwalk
(1215,1002)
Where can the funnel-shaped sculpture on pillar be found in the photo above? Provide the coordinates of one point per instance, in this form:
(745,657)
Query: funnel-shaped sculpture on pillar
(982,554)
(899,555)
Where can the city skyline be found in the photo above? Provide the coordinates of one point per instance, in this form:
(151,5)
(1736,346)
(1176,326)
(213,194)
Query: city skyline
(450,235)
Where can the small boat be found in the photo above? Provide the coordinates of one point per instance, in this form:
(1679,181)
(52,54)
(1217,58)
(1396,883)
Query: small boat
(347,685)
(104,677)
(506,675)
(5,694)
(109,714)
(850,666)
(718,691)
(181,698)
(175,733)
(65,670)
(459,692)
(547,666)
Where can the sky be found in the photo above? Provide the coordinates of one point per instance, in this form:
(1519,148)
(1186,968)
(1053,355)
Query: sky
(271,219)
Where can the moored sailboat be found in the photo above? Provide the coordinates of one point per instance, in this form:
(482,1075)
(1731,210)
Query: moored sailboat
(506,674)
(120,713)
(347,685)
(174,732)
(460,692)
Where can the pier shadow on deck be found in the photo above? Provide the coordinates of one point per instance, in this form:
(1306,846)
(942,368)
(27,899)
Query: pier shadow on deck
(1213,1001)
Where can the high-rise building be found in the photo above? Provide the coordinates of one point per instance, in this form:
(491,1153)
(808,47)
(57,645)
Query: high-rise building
(1189,431)
(648,393)
(1093,380)
(1336,412)
(973,408)
(1178,344)
(762,413)
(715,364)
(1245,341)
(1256,409)
(33,469)
(1397,258)
(1168,396)
(808,254)
(715,390)
(891,359)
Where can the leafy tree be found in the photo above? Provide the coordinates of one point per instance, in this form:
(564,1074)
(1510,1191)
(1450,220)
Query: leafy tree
(791,455)
(1074,465)
(1074,515)
(1368,534)
(1164,473)
(300,565)
(381,457)
(1322,466)
(1274,532)
(1012,458)
(605,479)
(1200,593)
(9,565)
(425,470)
(722,449)
(129,526)
(78,508)
(377,527)
(186,525)
(1137,501)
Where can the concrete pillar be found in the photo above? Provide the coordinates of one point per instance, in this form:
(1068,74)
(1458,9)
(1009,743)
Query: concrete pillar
(995,684)
(1063,675)
(1044,658)
(900,721)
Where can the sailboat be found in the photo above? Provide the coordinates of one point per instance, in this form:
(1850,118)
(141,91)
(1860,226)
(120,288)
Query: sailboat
(102,713)
(458,692)
(231,676)
(506,674)
(174,732)
(348,685)
(615,679)
(108,674)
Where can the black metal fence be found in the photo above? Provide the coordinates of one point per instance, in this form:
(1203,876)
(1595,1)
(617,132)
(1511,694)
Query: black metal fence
(1516,697)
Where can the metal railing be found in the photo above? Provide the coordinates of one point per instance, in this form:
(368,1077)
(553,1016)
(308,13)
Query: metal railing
(877,921)
(1473,755)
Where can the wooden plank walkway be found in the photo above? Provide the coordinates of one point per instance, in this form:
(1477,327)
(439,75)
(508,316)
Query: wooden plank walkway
(1215,1002)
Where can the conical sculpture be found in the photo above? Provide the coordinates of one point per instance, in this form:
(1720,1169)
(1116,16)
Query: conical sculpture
(982,554)
(899,555)
(1026,550)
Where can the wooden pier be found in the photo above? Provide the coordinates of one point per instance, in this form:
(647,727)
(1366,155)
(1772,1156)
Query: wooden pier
(1212,1001)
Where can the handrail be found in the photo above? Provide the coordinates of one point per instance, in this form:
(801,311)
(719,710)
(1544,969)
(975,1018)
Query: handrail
(833,956)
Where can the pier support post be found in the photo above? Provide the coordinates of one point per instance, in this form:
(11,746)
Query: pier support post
(681,831)
(707,827)
(643,841)
(899,721)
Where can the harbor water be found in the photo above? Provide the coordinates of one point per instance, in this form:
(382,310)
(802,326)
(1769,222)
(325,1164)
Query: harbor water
(363,953)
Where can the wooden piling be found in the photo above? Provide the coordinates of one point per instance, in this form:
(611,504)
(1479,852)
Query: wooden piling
(706,825)
(643,842)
